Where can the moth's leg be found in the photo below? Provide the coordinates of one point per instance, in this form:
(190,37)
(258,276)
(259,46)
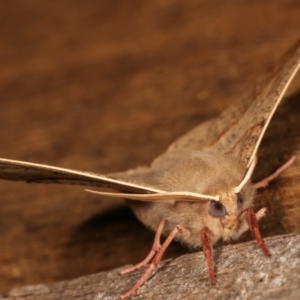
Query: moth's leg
(253,225)
(154,249)
(155,261)
(244,225)
(264,182)
(207,249)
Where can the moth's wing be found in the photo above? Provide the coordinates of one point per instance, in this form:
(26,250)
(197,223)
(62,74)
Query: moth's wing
(239,129)
(30,172)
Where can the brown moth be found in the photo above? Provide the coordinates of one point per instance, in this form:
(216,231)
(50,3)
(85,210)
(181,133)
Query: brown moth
(199,190)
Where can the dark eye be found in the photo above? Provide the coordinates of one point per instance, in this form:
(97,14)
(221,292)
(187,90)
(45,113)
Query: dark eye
(217,209)
(240,200)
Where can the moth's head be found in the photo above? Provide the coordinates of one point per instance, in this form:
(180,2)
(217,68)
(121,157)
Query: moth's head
(231,206)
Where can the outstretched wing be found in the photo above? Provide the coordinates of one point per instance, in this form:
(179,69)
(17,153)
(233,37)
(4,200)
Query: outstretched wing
(240,128)
(30,172)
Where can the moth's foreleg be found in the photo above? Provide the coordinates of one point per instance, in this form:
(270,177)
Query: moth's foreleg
(156,260)
(207,249)
(244,225)
(251,219)
(264,182)
(155,248)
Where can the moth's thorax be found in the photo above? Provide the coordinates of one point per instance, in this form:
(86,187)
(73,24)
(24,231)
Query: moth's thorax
(201,172)
(206,174)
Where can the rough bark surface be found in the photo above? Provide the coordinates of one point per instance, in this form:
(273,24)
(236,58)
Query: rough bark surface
(243,272)
(104,86)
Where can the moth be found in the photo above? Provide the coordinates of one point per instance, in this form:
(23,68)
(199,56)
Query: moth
(199,190)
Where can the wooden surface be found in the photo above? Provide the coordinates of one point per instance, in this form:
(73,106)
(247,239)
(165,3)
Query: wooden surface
(105,86)
(243,272)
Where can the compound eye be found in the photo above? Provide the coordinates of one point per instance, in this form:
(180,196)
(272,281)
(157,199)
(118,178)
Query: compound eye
(217,209)
(240,200)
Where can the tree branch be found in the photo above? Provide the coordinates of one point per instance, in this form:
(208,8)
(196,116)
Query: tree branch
(243,272)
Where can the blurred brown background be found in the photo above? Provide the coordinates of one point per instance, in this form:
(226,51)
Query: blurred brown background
(104,86)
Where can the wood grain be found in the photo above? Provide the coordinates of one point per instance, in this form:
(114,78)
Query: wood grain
(105,86)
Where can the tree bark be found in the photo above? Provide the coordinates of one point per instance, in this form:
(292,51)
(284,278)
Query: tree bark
(243,272)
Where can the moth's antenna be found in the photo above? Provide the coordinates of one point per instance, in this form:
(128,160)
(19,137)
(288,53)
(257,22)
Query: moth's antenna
(168,196)
(247,176)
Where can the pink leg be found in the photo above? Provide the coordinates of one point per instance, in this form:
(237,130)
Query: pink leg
(155,248)
(265,181)
(253,225)
(154,263)
(207,249)
(244,225)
